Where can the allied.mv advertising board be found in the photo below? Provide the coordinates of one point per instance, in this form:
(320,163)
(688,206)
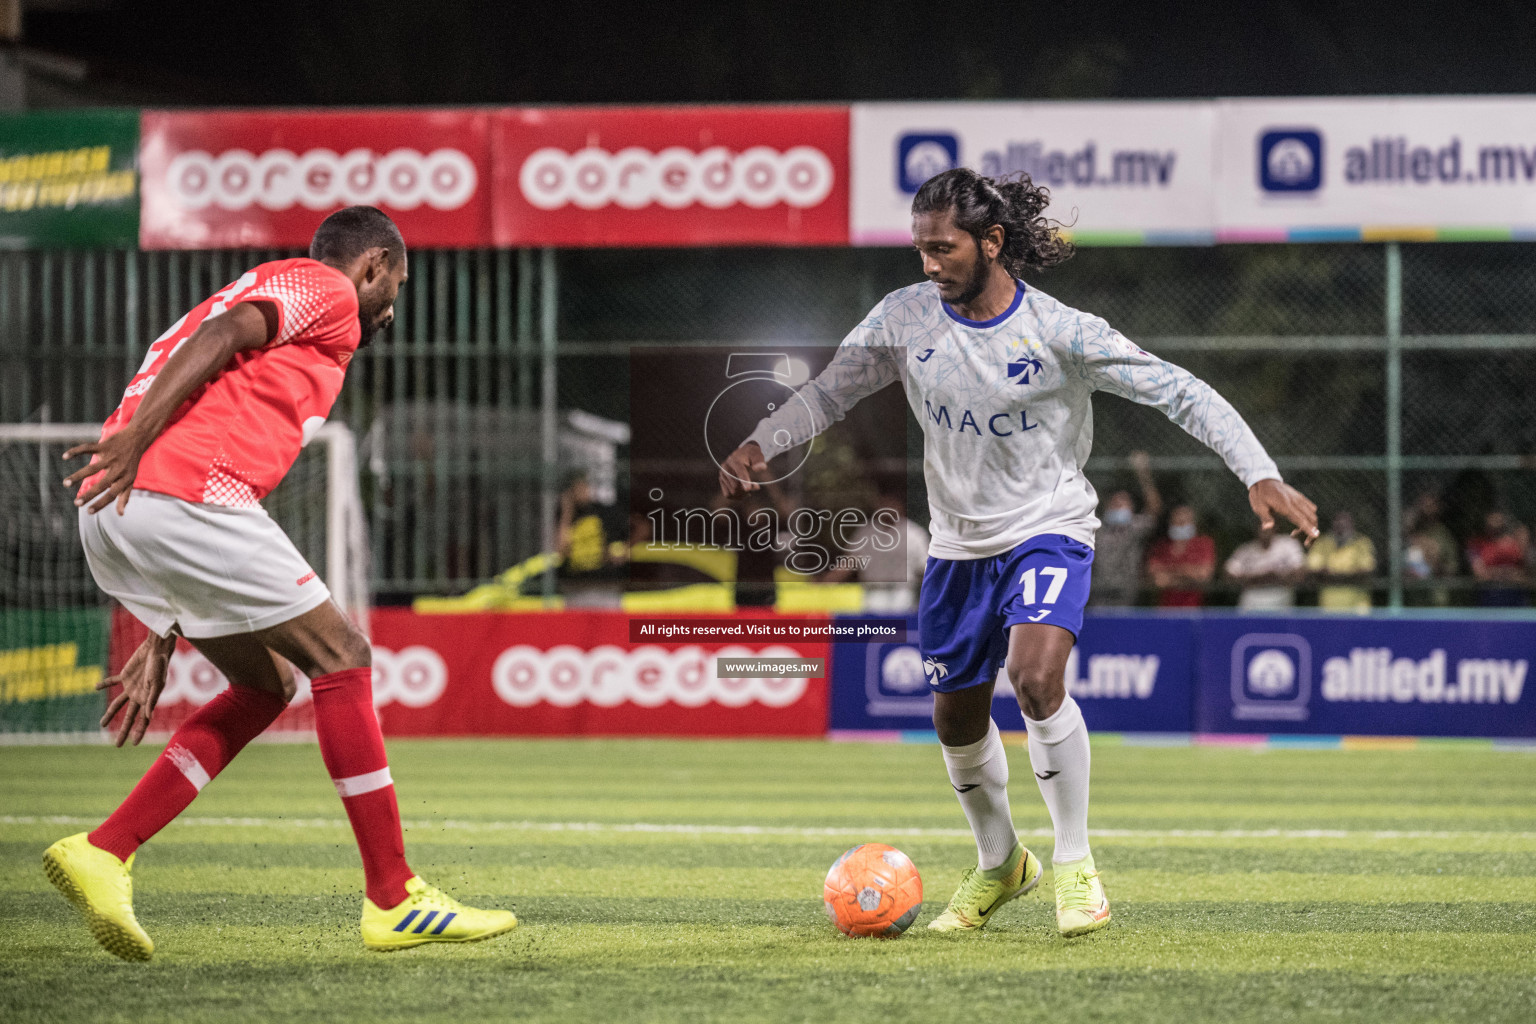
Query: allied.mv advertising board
(1129,674)
(1118,173)
(1366,676)
(1368,169)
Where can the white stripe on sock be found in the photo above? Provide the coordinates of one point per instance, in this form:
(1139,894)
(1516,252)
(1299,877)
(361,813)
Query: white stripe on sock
(189,765)
(357,785)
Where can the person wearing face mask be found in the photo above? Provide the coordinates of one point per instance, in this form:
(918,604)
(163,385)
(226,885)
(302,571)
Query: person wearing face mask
(1183,562)
(1343,560)
(1122,538)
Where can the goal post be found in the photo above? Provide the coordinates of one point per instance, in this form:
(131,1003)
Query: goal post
(60,635)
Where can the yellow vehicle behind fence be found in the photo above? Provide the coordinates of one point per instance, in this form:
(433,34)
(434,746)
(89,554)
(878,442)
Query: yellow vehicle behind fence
(704,582)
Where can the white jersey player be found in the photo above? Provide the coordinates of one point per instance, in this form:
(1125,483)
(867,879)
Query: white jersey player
(1001,377)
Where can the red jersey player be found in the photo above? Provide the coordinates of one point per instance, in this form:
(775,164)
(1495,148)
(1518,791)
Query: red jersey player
(210,423)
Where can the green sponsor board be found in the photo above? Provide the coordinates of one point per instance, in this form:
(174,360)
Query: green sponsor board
(50,663)
(69,179)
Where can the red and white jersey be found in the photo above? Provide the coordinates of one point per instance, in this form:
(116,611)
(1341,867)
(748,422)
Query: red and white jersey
(234,438)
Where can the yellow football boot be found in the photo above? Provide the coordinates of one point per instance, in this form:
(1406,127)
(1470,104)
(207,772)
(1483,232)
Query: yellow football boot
(100,887)
(428,915)
(1081,906)
(982,892)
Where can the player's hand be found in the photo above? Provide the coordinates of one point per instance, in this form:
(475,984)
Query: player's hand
(117,460)
(142,680)
(739,472)
(1270,498)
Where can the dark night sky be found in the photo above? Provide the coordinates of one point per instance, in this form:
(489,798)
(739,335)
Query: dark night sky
(445,52)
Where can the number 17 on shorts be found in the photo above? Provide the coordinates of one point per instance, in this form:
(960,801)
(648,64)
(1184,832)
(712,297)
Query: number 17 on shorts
(1048,580)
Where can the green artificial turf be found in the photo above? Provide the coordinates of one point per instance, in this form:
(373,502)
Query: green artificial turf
(681,881)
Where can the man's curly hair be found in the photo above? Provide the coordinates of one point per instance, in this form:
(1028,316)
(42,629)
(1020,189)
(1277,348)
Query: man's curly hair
(1017,204)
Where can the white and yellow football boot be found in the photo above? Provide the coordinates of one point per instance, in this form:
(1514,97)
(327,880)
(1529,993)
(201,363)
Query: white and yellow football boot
(101,888)
(1081,906)
(428,915)
(982,892)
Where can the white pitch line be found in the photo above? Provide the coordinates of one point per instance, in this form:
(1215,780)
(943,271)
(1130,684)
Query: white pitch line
(457,825)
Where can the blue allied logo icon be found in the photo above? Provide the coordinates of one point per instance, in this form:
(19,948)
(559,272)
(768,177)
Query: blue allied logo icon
(902,671)
(896,682)
(921,156)
(1291,160)
(1271,677)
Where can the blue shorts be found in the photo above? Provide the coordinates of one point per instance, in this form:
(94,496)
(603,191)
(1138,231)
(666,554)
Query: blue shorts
(967,607)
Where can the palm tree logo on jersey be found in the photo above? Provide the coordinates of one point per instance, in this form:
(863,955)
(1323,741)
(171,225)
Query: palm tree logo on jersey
(1025,368)
(937,669)
(1028,365)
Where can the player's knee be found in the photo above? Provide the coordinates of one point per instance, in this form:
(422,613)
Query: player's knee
(962,718)
(287,685)
(338,650)
(949,727)
(356,651)
(1033,681)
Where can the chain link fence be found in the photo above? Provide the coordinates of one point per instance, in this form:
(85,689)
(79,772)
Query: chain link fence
(1373,375)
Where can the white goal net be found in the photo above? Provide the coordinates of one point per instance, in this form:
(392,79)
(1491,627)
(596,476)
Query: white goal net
(59,635)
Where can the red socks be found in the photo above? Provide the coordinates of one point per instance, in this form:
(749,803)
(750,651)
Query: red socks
(353,749)
(199,750)
(350,743)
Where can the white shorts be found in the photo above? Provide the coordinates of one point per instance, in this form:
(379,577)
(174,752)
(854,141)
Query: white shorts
(209,570)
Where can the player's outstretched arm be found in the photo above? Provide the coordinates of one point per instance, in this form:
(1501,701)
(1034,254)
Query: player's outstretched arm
(1111,362)
(863,364)
(194,363)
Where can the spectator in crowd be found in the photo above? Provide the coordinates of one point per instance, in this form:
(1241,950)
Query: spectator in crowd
(1343,561)
(1268,567)
(1430,552)
(1122,539)
(1499,558)
(891,577)
(1183,562)
(590,572)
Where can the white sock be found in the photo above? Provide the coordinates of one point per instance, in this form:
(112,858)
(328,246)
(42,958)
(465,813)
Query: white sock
(1058,752)
(979,774)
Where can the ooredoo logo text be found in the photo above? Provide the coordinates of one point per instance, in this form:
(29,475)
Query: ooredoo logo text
(414,676)
(676,177)
(320,179)
(647,676)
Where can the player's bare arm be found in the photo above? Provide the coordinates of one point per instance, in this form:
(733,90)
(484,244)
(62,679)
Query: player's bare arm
(246,326)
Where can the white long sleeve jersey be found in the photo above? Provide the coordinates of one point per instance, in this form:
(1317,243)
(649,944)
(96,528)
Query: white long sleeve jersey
(1006,410)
